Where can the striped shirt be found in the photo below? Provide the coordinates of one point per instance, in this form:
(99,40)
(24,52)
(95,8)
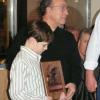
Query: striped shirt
(26,81)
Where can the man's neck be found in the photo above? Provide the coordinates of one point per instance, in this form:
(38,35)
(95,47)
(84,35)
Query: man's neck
(52,25)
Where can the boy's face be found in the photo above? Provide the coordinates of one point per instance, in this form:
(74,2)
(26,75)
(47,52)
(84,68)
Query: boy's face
(40,47)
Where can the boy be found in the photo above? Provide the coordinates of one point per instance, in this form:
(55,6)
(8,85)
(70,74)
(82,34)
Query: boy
(25,76)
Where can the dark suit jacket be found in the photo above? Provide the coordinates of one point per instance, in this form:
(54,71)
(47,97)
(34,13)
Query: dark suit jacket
(64,48)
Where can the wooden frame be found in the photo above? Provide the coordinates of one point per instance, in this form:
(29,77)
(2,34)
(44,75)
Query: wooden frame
(53,78)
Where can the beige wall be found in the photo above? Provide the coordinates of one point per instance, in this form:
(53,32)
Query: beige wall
(95,7)
(31,6)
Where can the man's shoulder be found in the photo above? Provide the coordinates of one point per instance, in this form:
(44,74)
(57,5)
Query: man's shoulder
(65,31)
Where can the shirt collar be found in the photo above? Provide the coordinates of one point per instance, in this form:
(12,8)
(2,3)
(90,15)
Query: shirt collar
(31,53)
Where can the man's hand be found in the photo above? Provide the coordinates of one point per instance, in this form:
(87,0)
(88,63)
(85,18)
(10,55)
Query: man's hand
(63,96)
(91,82)
(48,98)
(71,88)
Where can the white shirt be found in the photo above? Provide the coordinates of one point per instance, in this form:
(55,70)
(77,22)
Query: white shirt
(93,49)
(25,77)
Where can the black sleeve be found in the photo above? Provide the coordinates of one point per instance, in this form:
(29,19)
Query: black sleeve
(71,61)
(75,64)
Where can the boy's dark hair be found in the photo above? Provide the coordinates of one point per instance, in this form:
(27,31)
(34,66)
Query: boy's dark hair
(43,5)
(40,31)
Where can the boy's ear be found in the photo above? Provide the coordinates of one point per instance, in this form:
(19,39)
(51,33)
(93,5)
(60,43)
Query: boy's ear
(32,39)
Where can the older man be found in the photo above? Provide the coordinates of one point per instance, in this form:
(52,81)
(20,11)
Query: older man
(63,47)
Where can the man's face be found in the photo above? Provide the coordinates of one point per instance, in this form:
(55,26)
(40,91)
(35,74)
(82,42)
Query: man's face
(58,12)
(40,47)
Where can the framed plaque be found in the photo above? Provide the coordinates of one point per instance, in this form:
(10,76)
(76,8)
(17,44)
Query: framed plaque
(53,78)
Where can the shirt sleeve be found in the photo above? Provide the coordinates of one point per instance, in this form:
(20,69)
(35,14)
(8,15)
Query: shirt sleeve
(17,90)
(93,49)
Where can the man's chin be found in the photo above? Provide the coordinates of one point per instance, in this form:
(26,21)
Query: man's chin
(63,22)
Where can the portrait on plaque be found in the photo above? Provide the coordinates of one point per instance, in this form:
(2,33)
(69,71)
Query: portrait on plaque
(53,78)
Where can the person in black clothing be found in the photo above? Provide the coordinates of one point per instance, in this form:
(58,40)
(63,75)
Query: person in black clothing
(64,48)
